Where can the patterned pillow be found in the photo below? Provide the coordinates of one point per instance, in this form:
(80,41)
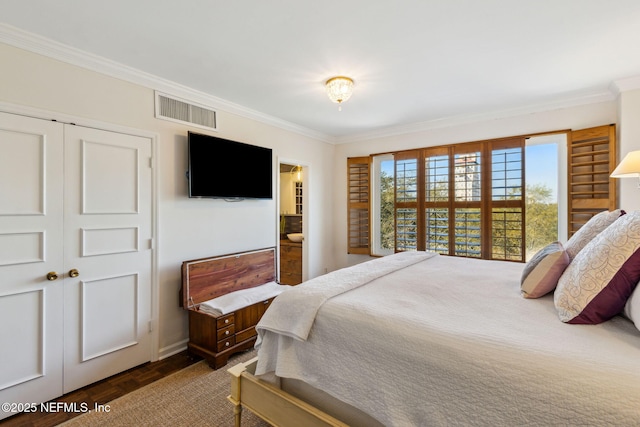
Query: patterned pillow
(540,275)
(591,229)
(601,278)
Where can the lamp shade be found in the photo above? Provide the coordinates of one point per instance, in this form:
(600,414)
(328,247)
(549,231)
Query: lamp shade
(629,167)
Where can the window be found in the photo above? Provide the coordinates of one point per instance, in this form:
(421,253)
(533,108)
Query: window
(464,200)
(474,200)
(546,207)
(382,195)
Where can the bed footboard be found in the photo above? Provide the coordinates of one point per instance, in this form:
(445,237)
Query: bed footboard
(270,403)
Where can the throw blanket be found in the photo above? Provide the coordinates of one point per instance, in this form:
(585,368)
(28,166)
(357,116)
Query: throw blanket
(243,298)
(303,301)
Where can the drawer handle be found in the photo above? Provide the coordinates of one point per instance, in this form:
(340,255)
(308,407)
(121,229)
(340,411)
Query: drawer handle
(226,320)
(226,344)
(226,332)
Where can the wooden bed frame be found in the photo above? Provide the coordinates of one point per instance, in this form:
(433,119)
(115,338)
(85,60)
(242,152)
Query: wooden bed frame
(215,338)
(270,403)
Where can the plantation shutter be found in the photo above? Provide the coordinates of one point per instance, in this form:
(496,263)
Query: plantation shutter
(408,201)
(358,205)
(505,211)
(469,199)
(591,157)
(437,201)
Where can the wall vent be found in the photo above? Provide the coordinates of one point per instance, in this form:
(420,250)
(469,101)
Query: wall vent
(178,110)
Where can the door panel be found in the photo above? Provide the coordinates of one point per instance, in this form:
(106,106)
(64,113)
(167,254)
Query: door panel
(108,233)
(31,220)
(110,175)
(101,298)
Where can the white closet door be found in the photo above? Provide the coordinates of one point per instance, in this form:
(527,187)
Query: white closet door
(31,221)
(108,231)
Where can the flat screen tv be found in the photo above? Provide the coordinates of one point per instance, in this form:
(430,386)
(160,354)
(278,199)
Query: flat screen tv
(224,169)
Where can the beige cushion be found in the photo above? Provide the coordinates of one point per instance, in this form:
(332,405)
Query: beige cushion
(602,277)
(540,275)
(591,229)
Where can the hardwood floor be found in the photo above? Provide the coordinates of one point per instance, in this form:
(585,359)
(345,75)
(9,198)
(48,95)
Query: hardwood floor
(104,391)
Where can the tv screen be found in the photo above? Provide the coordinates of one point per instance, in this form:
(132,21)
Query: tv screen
(220,168)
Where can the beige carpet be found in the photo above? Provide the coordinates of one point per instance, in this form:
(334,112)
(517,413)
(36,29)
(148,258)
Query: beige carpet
(194,396)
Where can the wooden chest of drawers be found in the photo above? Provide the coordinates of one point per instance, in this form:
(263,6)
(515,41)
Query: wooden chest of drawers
(217,337)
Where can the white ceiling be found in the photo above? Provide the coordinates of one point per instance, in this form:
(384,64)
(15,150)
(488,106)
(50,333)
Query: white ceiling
(413,61)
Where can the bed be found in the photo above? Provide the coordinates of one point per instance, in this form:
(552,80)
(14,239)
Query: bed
(419,339)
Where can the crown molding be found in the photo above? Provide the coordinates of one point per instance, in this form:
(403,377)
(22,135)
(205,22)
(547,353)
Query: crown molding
(624,85)
(50,48)
(444,122)
(40,45)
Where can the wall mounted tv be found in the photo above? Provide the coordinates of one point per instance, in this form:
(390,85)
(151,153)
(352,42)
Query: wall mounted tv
(224,169)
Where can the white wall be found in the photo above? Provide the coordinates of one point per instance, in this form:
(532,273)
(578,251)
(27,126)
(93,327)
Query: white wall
(629,140)
(188,228)
(579,117)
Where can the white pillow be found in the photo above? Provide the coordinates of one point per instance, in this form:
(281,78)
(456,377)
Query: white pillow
(591,229)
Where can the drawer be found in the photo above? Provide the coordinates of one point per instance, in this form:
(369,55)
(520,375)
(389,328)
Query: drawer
(227,332)
(246,334)
(225,344)
(224,321)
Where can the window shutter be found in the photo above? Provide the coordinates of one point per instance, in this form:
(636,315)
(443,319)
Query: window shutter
(408,201)
(592,158)
(358,205)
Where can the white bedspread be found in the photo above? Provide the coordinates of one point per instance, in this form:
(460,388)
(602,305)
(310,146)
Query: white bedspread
(245,297)
(450,341)
(303,304)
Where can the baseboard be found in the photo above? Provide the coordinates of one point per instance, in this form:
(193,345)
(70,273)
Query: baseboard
(172,349)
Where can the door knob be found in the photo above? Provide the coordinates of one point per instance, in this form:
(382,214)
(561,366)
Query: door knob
(52,275)
(74,273)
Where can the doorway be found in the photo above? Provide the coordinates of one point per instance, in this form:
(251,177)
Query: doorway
(291,220)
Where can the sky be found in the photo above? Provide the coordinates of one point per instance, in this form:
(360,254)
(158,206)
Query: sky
(542,166)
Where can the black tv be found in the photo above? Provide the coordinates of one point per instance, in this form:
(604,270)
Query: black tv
(223,169)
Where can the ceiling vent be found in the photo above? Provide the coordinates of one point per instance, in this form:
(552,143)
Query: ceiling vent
(181,111)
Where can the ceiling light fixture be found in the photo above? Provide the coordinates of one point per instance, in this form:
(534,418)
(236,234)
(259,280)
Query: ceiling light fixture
(339,89)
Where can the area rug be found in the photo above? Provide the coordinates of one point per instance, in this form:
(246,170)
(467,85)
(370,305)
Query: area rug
(194,396)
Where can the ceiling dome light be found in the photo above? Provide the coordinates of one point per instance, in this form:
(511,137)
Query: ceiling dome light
(339,89)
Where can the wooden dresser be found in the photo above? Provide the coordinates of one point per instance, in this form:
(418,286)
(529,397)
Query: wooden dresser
(215,338)
(290,262)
